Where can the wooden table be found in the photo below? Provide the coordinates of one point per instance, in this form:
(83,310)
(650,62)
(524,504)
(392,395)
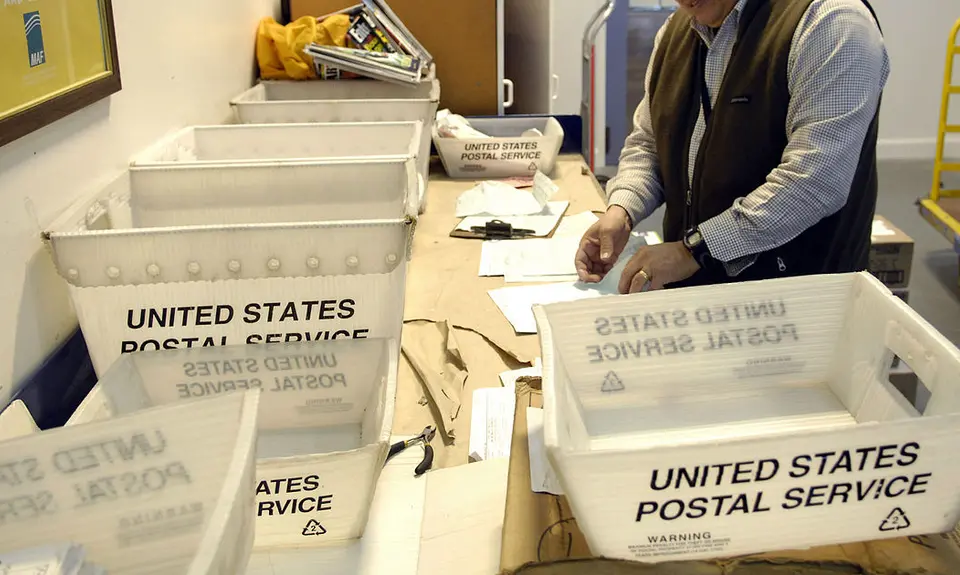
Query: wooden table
(443,284)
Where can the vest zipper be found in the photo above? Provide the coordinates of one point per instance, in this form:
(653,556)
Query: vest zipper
(705,141)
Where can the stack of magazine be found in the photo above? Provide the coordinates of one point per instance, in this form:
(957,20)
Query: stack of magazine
(52,560)
(379,46)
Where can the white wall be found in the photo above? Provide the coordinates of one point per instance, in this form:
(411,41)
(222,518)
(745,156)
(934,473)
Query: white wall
(180,62)
(916,34)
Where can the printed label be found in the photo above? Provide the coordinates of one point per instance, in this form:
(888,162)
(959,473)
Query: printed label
(667,544)
(840,479)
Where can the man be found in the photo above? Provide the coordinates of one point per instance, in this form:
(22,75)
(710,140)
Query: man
(758,131)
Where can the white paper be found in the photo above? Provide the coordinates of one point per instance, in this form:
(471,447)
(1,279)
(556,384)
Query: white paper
(516,303)
(509,378)
(493,257)
(880,229)
(491,422)
(575,226)
(542,477)
(530,259)
(547,257)
(543,188)
(493,198)
(463,519)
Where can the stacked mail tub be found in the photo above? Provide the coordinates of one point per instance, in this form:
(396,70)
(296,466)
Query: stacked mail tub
(16,421)
(226,283)
(212,252)
(225,149)
(168,491)
(219,236)
(324,424)
(738,419)
(272,102)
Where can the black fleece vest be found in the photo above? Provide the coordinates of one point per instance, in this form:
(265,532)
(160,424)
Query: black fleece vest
(744,142)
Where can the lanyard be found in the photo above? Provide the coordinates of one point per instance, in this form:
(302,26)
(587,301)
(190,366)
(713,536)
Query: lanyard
(702,80)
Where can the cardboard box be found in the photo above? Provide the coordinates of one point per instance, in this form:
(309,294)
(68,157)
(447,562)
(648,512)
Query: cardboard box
(891,254)
(541,537)
(730,420)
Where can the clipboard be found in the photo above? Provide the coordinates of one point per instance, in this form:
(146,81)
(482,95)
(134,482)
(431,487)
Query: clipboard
(542,225)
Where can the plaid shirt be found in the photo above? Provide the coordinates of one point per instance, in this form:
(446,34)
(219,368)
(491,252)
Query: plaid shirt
(837,68)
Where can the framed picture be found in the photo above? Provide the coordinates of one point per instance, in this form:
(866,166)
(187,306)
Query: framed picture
(56,57)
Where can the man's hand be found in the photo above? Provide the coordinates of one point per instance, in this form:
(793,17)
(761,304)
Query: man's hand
(602,245)
(653,267)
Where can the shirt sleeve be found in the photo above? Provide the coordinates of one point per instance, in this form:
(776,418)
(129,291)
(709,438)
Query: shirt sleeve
(638,185)
(838,67)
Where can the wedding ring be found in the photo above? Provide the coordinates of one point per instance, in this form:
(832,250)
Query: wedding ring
(646,277)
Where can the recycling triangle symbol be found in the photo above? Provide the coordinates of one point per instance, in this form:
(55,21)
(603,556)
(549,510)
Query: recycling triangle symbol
(532,167)
(313,528)
(612,383)
(896,521)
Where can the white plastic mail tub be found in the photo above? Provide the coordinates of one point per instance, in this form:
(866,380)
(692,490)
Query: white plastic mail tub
(16,421)
(324,424)
(280,144)
(142,289)
(167,491)
(249,193)
(273,102)
(506,153)
(745,418)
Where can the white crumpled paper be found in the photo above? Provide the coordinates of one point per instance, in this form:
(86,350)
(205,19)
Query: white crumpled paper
(493,198)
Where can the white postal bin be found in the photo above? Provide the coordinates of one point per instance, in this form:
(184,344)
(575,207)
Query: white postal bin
(167,491)
(241,193)
(506,153)
(325,420)
(282,144)
(16,421)
(273,102)
(141,289)
(739,419)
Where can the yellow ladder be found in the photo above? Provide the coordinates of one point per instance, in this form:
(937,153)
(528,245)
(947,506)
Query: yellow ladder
(949,89)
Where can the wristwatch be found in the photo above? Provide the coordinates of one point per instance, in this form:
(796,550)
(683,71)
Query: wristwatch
(693,241)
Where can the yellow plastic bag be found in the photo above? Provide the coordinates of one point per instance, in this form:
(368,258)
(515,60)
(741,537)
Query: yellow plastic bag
(280,48)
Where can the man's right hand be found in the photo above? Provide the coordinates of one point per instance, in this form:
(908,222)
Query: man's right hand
(602,245)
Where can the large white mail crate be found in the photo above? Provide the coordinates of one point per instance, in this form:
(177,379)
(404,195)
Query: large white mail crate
(16,421)
(506,153)
(272,102)
(281,144)
(142,289)
(242,193)
(735,419)
(167,491)
(326,415)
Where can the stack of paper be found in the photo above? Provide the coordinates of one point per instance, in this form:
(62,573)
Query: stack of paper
(516,303)
(381,46)
(491,421)
(51,560)
(530,260)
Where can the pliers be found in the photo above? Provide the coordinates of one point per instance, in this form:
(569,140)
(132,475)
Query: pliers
(425,436)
